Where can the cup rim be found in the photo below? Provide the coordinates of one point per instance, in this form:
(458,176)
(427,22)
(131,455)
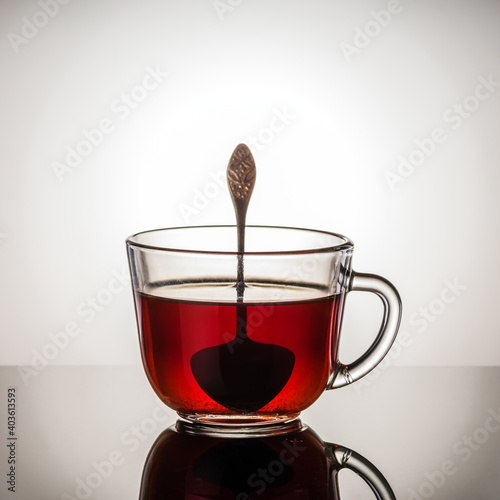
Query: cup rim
(346,245)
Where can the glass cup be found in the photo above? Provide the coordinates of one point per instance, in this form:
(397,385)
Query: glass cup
(249,338)
(291,462)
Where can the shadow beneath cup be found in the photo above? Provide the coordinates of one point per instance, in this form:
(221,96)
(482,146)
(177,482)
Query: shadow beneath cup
(286,461)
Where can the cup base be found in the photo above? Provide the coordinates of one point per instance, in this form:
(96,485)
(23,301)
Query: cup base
(235,425)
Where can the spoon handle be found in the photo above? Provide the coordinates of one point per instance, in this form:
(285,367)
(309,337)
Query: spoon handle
(241,176)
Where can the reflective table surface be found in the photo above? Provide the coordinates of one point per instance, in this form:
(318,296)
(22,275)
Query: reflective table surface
(86,432)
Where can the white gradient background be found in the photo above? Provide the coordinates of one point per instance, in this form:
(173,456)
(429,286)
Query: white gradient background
(61,241)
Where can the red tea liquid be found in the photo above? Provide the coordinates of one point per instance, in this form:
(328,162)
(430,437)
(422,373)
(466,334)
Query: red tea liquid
(173,330)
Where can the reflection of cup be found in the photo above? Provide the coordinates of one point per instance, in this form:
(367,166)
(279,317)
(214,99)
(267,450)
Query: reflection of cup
(289,462)
(262,356)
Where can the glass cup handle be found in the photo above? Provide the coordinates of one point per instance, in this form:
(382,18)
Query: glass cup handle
(345,458)
(347,374)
